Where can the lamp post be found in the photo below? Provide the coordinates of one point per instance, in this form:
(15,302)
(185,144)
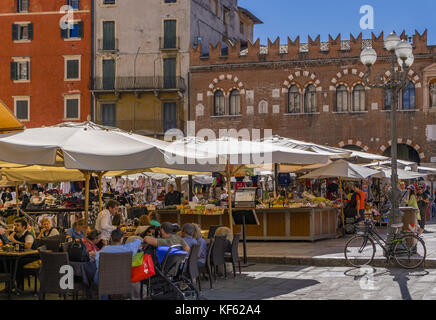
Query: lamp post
(400,53)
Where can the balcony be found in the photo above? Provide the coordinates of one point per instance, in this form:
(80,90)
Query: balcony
(108,45)
(169,44)
(138,84)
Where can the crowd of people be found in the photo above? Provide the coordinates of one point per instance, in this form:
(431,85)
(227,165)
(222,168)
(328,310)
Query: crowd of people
(107,236)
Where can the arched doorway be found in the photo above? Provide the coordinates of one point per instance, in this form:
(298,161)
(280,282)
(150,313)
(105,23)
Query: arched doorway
(405,152)
(353,147)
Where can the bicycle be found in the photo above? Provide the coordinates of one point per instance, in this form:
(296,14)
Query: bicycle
(407,249)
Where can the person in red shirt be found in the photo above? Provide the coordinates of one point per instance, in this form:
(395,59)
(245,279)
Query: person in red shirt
(90,242)
(360,202)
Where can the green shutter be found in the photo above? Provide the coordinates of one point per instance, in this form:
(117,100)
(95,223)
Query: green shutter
(64,33)
(170,34)
(30,31)
(108,35)
(80,26)
(15,32)
(14,71)
(170,73)
(28,70)
(108,74)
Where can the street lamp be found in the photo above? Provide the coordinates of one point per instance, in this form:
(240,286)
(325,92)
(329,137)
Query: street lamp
(401,52)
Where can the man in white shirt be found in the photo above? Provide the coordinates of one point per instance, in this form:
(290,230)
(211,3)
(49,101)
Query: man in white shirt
(104,220)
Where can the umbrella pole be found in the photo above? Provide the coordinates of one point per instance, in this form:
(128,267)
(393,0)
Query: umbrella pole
(16,199)
(342,204)
(229,194)
(100,195)
(87,175)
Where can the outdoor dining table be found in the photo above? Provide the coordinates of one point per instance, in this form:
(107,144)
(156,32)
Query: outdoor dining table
(13,257)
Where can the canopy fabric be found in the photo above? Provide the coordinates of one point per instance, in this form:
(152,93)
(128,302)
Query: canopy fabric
(87,146)
(385,172)
(244,152)
(41,174)
(8,122)
(341,169)
(332,152)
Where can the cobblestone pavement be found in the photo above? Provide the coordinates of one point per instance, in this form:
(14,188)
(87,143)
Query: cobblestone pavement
(284,282)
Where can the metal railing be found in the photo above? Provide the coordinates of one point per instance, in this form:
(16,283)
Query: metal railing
(172,43)
(108,45)
(138,83)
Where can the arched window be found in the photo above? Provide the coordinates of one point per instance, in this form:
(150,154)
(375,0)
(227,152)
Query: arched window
(294,100)
(341,98)
(310,99)
(359,98)
(404,152)
(263,107)
(219,108)
(388,100)
(235,102)
(409,97)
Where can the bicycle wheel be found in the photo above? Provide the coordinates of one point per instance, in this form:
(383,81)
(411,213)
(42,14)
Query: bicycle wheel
(410,252)
(359,251)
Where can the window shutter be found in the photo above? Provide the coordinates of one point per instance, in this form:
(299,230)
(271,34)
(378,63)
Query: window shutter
(18,5)
(15,32)
(80,26)
(30,31)
(13,71)
(28,70)
(64,33)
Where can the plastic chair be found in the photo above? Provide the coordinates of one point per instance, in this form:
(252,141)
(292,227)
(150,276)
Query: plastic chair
(233,256)
(114,274)
(208,266)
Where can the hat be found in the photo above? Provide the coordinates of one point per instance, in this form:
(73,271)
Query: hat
(412,187)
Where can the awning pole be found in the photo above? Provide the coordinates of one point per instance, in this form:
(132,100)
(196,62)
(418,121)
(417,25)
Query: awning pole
(342,205)
(16,199)
(229,194)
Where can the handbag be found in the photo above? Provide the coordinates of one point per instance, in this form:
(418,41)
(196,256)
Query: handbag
(78,252)
(144,271)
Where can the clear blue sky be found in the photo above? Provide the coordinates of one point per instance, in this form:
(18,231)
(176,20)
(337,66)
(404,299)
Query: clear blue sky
(294,18)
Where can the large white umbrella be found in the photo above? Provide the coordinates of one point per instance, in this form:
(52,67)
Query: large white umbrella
(386,172)
(87,146)
(243,152)
(334,153)
(341,169)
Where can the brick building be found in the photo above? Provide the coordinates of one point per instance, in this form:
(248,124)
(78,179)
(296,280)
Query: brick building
(315,92)
(44,70)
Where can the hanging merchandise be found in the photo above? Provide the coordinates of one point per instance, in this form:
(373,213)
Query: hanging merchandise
(284,179)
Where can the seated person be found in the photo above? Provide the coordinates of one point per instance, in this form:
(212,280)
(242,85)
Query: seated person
(91,242)
(225,232)
(25,239)
(144,224)
(47,230)
(77,231)
(190,235)
(173,197)
(116,246)
(169,238)
(116,220)
(154,221)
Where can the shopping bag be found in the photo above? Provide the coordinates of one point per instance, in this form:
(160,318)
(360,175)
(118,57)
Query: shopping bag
(137,259)
(144,271)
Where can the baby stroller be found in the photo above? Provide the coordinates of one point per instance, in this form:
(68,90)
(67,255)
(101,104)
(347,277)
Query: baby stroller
(170,282)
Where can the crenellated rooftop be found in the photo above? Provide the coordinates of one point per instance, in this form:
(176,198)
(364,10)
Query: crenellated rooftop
(297,50)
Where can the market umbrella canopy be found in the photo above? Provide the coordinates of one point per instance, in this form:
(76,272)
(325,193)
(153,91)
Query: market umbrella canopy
(87,146)
(42,174)
(8,122)
(385,172)
(244,152)
(341,169)
(332,152)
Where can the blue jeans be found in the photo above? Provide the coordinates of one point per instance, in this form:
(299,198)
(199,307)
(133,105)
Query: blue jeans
(361,215)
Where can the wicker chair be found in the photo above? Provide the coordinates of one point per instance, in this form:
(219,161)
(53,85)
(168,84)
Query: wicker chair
(208,266)
(217,257)
(233,256)
(192,265)
(114,274)
(49,275)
